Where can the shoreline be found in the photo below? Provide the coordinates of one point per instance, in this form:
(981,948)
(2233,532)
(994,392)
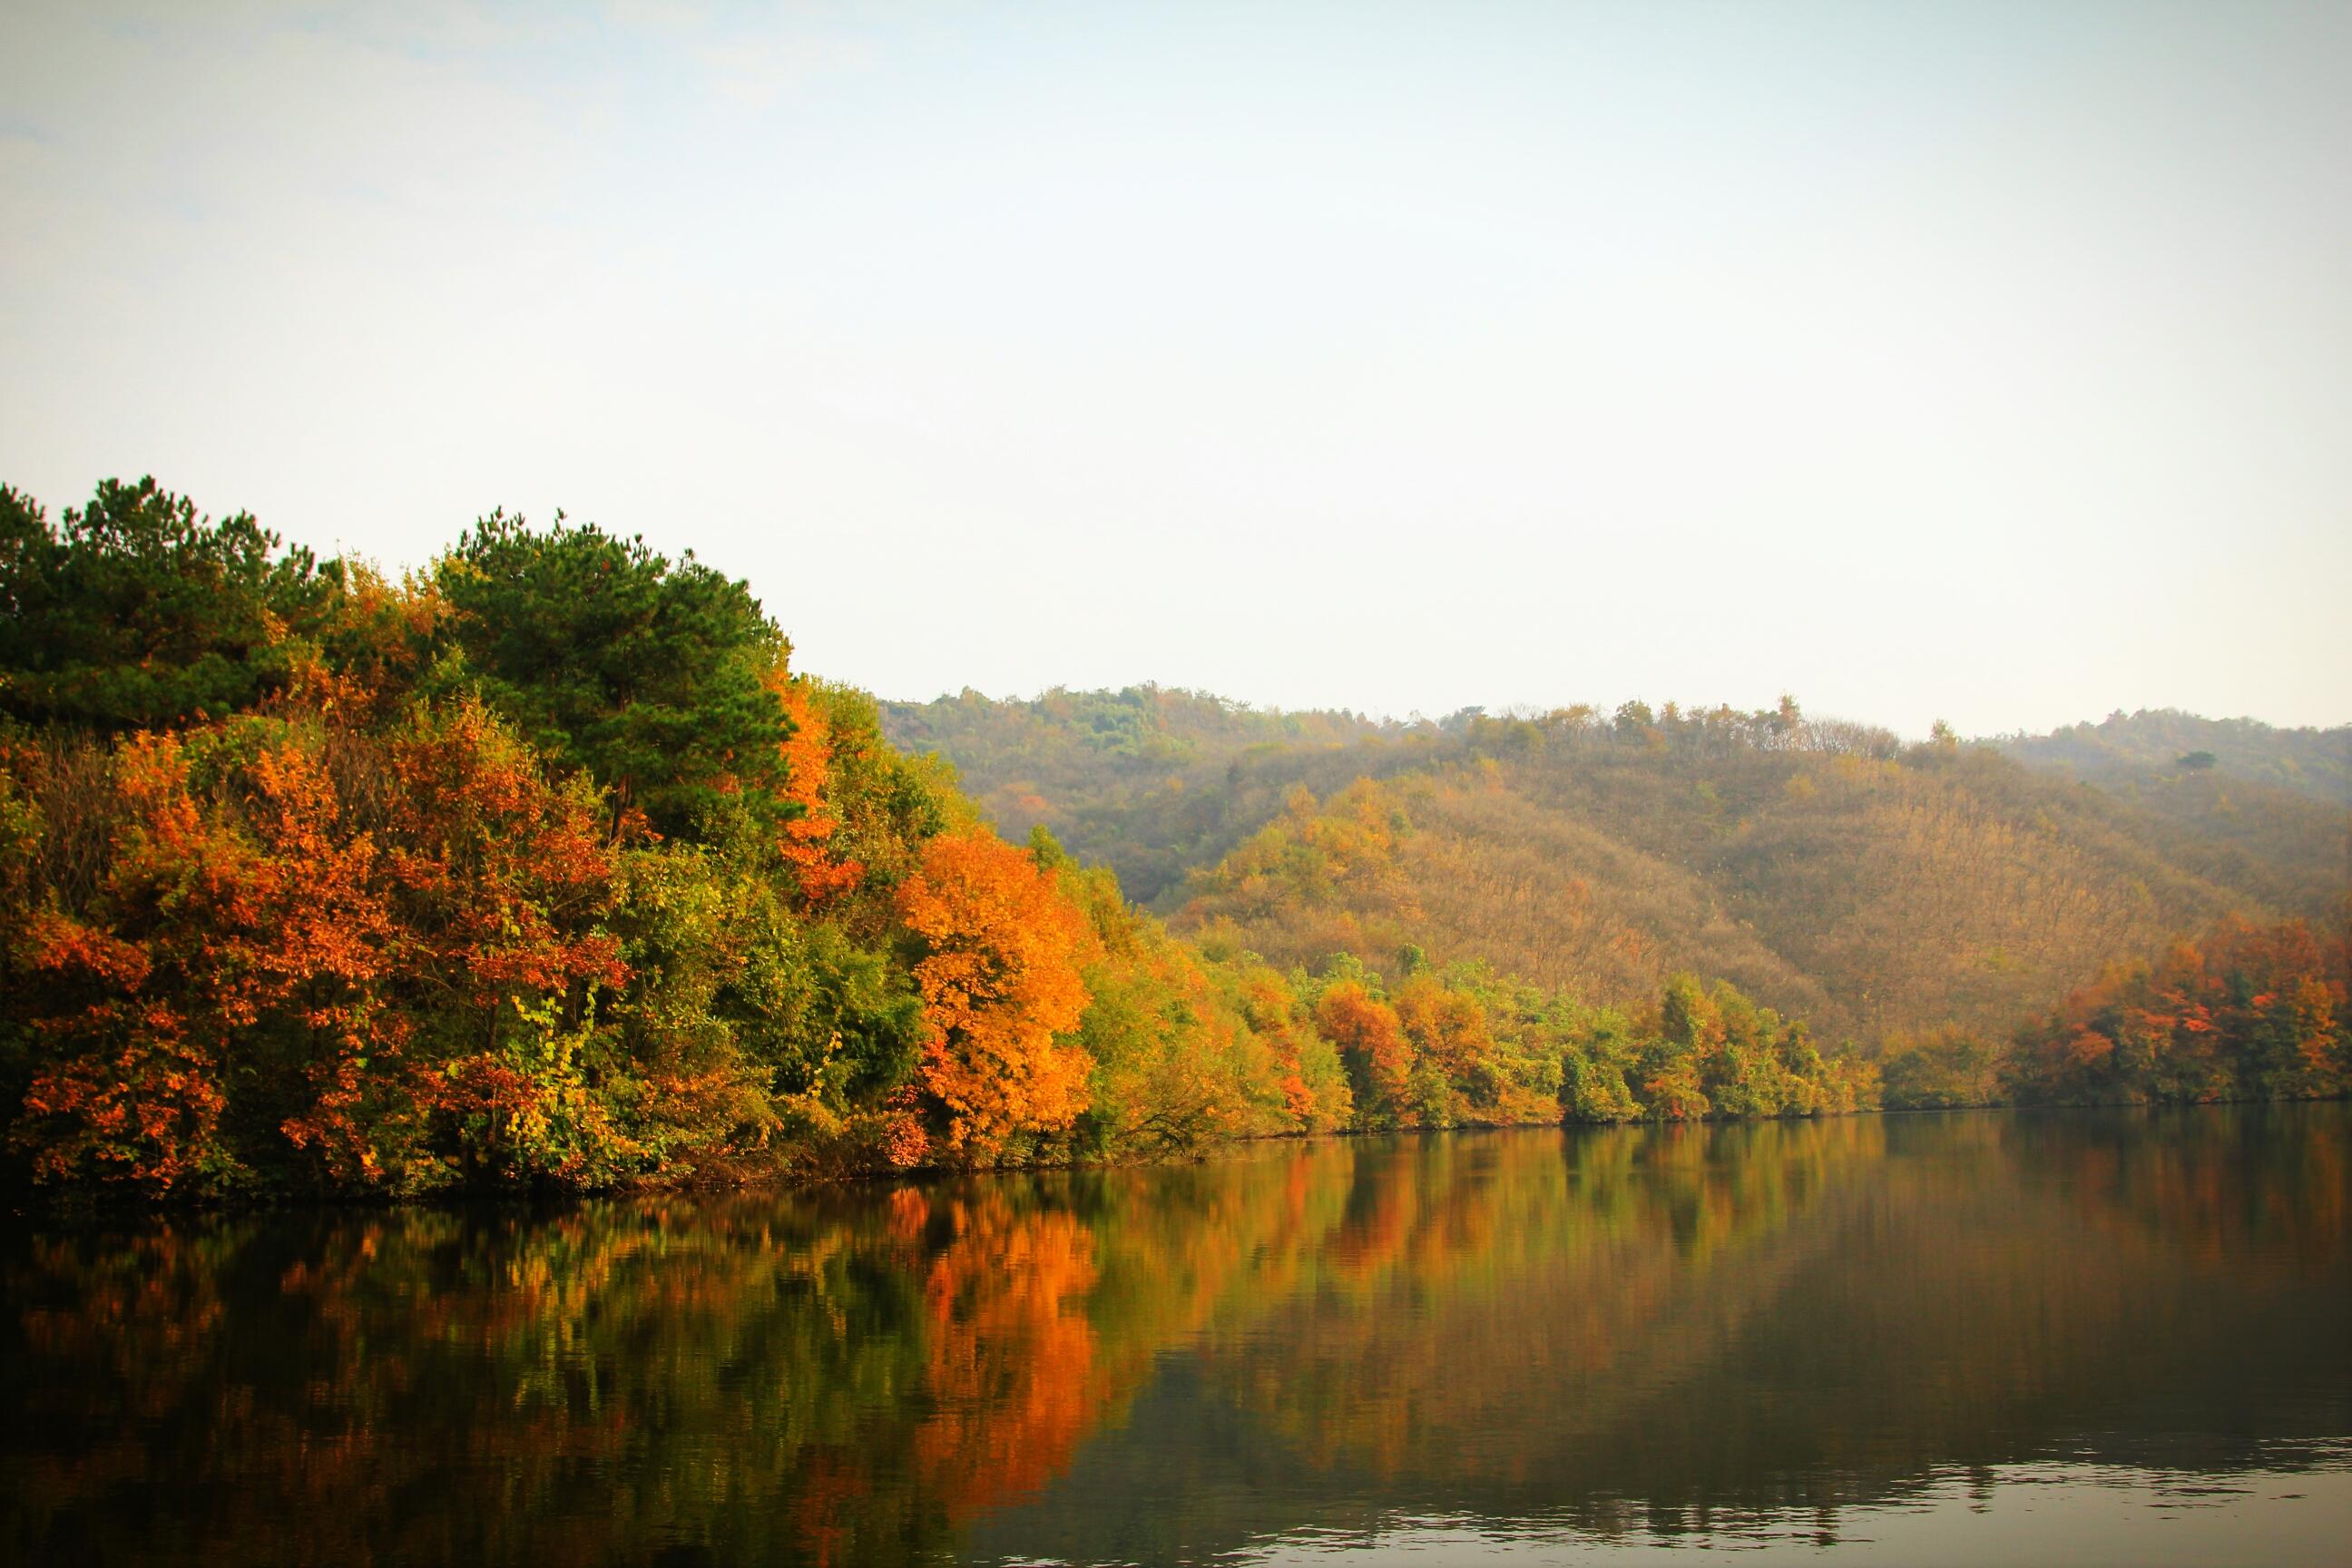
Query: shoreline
(81,1207)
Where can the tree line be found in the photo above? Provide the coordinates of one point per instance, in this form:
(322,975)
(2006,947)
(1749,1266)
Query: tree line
(2243,1012)
(543,868)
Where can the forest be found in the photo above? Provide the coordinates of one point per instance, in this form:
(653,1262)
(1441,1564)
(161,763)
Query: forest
(542,868)
(1944,909)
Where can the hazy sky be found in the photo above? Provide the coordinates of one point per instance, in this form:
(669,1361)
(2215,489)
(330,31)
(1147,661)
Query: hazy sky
(1983,361)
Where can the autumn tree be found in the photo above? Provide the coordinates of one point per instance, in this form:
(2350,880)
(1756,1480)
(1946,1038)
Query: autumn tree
(821,867)
(377,957)
(1941,1068)
(1000,981)
(1307,1072)
(1371,1041)
(2243,1011)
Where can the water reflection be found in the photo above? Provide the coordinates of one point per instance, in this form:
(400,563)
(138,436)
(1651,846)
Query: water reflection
(1759,1334)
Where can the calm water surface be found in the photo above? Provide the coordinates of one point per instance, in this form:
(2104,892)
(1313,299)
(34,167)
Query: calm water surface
(2061,1338)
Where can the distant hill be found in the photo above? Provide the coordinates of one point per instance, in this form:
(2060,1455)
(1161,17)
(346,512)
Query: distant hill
(1152,781)
(1823,866)
(2123,750)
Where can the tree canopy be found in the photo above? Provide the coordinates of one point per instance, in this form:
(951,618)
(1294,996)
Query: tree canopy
(138,613)
(649,674)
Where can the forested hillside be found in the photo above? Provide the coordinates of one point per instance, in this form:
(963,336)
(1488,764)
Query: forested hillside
(1153,781)
(1824,866)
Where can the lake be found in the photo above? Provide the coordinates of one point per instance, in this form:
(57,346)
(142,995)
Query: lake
(2087,1337)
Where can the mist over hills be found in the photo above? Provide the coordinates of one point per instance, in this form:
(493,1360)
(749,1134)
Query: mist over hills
(1822,865)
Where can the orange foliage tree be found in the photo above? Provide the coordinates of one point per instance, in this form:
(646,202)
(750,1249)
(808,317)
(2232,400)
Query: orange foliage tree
(502,882)
(215,932)
(1315,1101)
(2245,1012)
(1371,1042)
(999,982)
(384,950)
(807,846)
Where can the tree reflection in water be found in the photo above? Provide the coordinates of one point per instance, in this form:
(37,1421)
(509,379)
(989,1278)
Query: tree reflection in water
(1629,1331)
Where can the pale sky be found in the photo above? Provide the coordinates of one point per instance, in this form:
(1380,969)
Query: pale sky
(1983,361)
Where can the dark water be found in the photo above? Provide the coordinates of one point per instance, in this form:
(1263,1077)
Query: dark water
(2057,1338)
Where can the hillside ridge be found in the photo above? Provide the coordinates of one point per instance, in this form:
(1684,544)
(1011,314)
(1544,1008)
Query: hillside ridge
(1824,865)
